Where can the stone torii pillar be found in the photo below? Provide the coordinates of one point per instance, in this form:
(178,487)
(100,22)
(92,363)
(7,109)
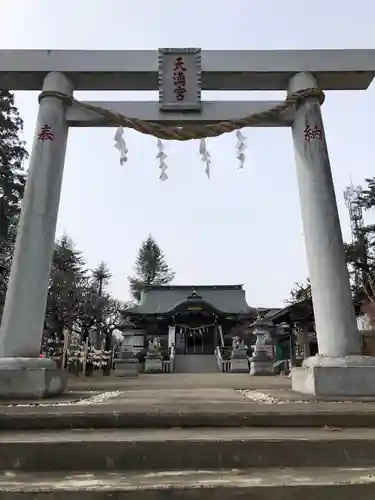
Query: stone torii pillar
(339,369)
(22,372)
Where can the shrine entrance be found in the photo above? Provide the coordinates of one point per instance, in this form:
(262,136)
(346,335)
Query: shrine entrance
(196,340)
(194,343)
(199,340)
(180,114)
(196,322)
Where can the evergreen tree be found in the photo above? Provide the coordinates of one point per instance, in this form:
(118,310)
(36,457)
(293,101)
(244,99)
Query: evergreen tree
(12,157)
(101,275)
(12,181)
(100,302)
(67,286)
(360,257)
(300,293)
(150,267)
(77,301)
(367,198)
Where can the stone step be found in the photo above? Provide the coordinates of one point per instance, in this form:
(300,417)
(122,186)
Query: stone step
(195,363)
(212,415)
(259,484)
(183,449)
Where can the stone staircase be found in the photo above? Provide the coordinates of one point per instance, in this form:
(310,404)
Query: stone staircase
(195,363)
(192,464)
(186,437)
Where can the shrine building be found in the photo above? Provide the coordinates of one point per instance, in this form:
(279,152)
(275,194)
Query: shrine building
(195,319)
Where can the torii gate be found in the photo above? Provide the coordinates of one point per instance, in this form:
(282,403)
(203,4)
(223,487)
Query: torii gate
(180,114)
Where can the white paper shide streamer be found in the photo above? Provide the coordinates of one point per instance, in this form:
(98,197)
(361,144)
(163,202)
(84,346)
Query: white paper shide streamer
(161,156)
(205,157)
(240,148)
(120,145)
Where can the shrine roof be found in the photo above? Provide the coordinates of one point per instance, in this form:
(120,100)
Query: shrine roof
(269,313)
(221,69)
(301,311)
(162,299)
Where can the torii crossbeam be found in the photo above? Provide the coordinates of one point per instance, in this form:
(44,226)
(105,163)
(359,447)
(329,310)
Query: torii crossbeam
(339,370)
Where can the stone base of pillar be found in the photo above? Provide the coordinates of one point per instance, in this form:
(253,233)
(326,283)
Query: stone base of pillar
(349,376)
(259,368)
(31,378)
(239,365)
(126,368)
(153,364)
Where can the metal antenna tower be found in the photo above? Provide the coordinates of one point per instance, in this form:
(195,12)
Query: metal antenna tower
(352,196)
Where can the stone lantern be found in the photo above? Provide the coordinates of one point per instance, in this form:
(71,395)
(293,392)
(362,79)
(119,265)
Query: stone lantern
(261,361)
(239,360)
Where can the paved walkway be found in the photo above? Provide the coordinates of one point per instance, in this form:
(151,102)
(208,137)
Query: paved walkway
(183,392)
(195,363)
(183,400)
(164,381)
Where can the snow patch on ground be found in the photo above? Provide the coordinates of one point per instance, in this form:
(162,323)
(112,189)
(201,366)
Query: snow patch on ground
(92,400)
(260,397)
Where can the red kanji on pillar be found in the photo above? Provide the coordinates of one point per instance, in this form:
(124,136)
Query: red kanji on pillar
(46,134)
(312,133)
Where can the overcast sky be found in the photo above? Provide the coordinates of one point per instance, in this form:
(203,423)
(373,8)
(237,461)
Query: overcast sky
(240,227)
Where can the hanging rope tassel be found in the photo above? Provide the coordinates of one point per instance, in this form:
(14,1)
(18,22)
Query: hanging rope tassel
(120,145)
(205,157)
(161,156)
(240,148)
